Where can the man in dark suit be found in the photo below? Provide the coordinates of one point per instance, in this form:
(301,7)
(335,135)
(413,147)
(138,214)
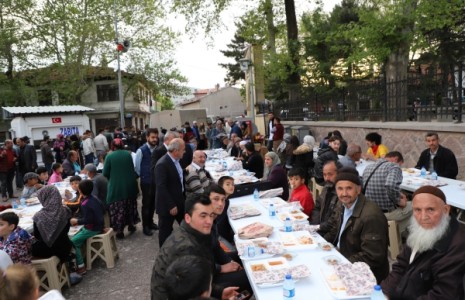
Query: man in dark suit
(169,198)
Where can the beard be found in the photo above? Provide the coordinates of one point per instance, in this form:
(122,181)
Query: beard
(422,239)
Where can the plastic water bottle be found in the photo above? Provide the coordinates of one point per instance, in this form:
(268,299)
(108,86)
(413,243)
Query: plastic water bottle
(14,204)
(272,210)
(23,202)
(256,195)
(288,288)
(251,251)
(423,172)
(434,176)
(225,165)
(287,225)
(377,293)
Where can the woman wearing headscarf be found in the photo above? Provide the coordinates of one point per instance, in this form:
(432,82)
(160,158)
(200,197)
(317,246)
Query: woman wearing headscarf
(122,189)
(303,156)
(275,173)
(51,226)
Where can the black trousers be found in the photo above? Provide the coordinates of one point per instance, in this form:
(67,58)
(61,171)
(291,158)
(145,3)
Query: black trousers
(6,180)
(148,203)
(165,225)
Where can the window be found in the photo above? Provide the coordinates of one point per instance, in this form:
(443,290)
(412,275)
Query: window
(107,92)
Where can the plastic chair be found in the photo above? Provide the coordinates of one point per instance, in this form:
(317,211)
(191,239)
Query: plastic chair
(394,239)
(316,189)
(103,246)
(55,273)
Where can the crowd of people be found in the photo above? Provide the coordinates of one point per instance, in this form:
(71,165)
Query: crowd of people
(106,172)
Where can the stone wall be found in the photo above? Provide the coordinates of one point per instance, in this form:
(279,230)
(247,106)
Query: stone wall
(406,137)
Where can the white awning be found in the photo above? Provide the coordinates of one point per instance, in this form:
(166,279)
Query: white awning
(24,110)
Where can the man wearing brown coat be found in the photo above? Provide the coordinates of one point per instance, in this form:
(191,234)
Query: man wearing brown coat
(359,228)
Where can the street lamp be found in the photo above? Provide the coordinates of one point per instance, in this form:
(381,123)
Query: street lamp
(245,65)
(120,84)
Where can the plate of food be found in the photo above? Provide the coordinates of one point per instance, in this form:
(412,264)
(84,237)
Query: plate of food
(349,281)
(325,246)
(263,248)
(293,215)
(32,201)
(332,260)
(297,240)
(277,202)
(271,272)
(243,211)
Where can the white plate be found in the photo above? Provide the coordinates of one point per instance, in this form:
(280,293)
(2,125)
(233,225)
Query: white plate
(297,240)
(340,295)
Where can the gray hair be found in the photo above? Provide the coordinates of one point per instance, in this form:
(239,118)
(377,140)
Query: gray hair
(170,135)
(175,144)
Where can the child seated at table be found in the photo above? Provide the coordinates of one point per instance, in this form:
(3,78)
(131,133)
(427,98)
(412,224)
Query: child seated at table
(73,201)
(57,169)
(224,228)
(14,240)
(43,175)
(92,211)
(31,185)
(300,191)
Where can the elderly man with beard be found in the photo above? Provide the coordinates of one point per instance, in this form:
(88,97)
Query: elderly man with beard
(432,264)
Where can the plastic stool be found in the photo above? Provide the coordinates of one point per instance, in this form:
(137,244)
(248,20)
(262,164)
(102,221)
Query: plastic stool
(55,273)
(394,239)
(103,246)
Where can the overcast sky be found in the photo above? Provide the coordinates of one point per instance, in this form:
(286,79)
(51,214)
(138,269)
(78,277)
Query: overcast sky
(199,63)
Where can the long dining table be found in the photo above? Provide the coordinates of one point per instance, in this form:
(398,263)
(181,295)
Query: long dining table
(314,257)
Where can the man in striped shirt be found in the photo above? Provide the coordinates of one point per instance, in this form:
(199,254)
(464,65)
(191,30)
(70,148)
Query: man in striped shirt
(197,178)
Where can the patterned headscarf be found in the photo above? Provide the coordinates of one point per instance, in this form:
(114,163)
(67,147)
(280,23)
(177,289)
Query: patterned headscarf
(276,161)
(53,217)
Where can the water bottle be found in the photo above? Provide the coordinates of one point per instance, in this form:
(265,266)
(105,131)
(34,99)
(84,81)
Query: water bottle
(225,165)
(251,251)
(272,210)
(76,173)
(287,225)
(434,176)
(256,195)
(23,202)
(377,293)
(14,204)
(288,288)
(423,172)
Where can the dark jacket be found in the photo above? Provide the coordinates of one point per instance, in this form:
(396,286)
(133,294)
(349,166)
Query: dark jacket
(68,168)
(303,158)
(183,241)
(445,163)
(27,159)
(434,274)
(255,164)
(324,155)
(61,247)
(92,212)
(47,154)
(156,155)
(365,236)
(169,188)
(278,178)
(100,187)
(324,208)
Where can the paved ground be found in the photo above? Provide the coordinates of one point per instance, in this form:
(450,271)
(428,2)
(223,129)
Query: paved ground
(130,279)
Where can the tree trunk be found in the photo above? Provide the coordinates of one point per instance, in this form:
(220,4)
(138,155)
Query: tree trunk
(293,45)
(268,8)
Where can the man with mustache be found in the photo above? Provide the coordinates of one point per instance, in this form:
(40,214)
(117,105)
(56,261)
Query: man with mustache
(432,263)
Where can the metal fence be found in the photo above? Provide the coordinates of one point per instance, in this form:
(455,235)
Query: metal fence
(419,97)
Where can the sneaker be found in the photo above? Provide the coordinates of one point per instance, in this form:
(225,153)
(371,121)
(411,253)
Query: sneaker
(75,278)
(81,270)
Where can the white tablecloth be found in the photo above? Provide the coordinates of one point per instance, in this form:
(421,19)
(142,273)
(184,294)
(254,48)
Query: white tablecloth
(312,287)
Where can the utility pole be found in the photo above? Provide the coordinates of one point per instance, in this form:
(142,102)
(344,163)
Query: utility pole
(120,83)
